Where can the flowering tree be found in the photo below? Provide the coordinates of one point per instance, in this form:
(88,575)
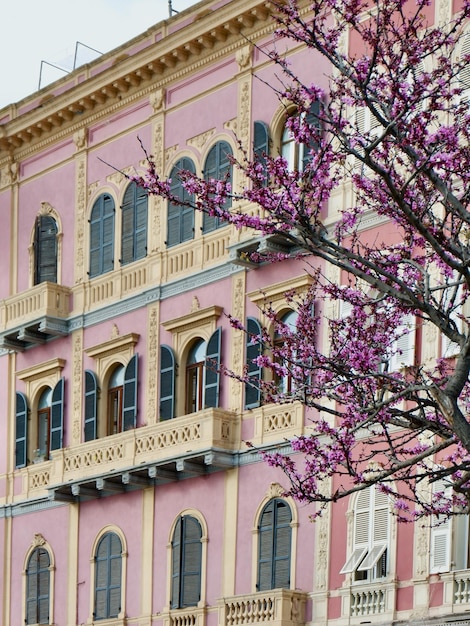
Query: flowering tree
(392,130)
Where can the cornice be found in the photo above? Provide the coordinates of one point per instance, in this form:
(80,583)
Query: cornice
(212,33)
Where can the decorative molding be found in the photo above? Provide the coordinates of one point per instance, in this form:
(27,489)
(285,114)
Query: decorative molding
(244,56)
(157,99)
(153,324)
(77,374)
(199,141)
(81,202)
(276,293)
(194,319)
(38,541)
(238,340)
(116,344)
(80,138)
(41,370)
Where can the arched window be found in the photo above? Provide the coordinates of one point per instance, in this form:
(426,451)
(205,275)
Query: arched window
(297,154)
(186,562)
(108,577)
(38,587)
(45,250)
(217,166)
(44,424)
(369,559)
(134,224)
(202,374)
(274,546)
(285,383)
(180,218)
(102,236)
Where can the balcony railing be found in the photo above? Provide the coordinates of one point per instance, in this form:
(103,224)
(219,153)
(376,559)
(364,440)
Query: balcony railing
(174,449)
(276,422)
(279,607)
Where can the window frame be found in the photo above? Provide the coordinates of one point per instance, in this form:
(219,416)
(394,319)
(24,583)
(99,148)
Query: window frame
(217,168)
(107,534)
(180,220)
(270,534)
(134,209)
(101,235)
(177,587)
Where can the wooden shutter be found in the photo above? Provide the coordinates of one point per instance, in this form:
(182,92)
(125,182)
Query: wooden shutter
(404,346)
(45,245)
(464,74)
(211,371)
(265,547)
(102,236)
(254,349)
(191,562)
(261,145)
(107,246)
(441,534)
(129,411)
(108,574)
(127,225)
(38,587)
(312,120)
(21,430)
(282,544)
(141,223)
(379,533)
(167,383)
(91,405)
(57,416)
(217,166)
(176,549)
(115,576)
(180,218)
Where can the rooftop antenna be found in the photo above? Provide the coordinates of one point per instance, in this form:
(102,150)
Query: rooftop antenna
(171,10)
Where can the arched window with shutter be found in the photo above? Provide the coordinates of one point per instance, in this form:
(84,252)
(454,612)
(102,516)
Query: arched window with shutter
(274,546)
(180,218)
(369,558)
(38,583)
(102,236)
(134,224)
(297,155)
(186,562)
(217,167)
(254,349)
(108,577)
(45,250)
(122,397)
(202,374)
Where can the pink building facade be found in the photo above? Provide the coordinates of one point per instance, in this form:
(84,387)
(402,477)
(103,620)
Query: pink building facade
(128,493)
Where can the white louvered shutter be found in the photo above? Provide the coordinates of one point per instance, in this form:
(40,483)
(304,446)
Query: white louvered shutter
(441,533)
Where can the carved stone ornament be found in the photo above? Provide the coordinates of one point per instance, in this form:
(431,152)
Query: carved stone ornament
(275,490)
(157,98)
(244,56)
(80,138)
(199,141)
(195,305)
(38,540)
(114,331)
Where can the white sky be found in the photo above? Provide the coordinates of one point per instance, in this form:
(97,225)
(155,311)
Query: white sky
(47,30)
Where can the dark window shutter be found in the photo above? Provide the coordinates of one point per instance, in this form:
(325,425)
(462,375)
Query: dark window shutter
(254,349)
(102,236)
(180,218)
(167,383)
(186,563)
(274,546)
(21,433)
(108,575)
(261,145)
(91,405)
(311,119)
(176,550)
(45,245)
(129,411)
(134,224)
(191,562)
(211,373)
(38,587)
(57,416)
(217,166)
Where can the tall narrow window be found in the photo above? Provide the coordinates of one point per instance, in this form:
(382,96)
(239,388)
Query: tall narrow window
(285,382)
(134,224)
(186,559)
(218,167)
(122,398)
(38,587)
(91,406)
(21,430)
(44,419)
(180,218)
(45,250)
(297,154)
(369,559)
(274,546)
(108,577)
(115,389)
(254,349)
(167,383)
(102,236)
(202,374)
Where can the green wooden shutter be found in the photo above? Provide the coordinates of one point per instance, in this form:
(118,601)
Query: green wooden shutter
(261,145)
(282,544)
(91,405)
(254,349)
(265,548)
(108,577)
(211,371)
(57,416)
(191,562)
(312,120)
(127,225)
(45,248)
(176,550)
(217,166)
(167,383)
(102,236)
(38,587)
(129,410)
(21,430)
(141,223)
(115,576)
(180,218)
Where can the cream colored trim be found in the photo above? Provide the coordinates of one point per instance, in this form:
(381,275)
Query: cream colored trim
(275,490)
(39,542)
(72,562)
(122,345)
(124,554)
(193,320)
(229,551)
(147,539)
(43,370)
(275,295)
(204,541)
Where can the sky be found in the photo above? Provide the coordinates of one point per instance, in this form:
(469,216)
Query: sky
(48,30)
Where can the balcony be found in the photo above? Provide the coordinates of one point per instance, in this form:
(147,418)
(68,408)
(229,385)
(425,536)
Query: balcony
(278,607)
(193,445)
(33,316)
(277,422)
